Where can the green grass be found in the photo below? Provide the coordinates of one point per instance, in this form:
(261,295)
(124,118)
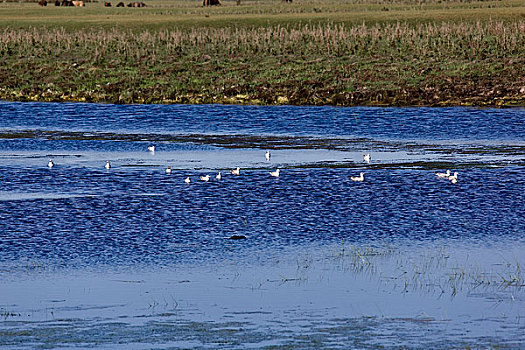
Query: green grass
(178,13)
(266,52)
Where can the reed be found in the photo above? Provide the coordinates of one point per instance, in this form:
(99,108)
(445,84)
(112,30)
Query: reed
(445,40)
(430,272)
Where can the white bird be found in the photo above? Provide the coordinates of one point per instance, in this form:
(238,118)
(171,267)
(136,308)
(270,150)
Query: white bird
(361,177)
(447,174)
(366,158)
(168,170)
(218,176)
(267,156)
(275,173)
(108,165)
(205,178)
(454,180)
(50,163)
(151,149)
(236,171)
(187,180)
(454,177)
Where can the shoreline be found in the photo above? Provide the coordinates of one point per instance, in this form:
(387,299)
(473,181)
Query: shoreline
(243,100)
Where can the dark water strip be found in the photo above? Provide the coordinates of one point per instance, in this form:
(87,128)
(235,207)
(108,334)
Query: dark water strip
(274,142)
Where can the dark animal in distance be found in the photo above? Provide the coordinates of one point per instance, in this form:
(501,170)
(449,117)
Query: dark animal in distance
(43,3)
(211,3)
(137,4)
(107,4)
(120,4)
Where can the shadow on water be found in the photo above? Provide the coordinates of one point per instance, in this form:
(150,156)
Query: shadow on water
(273,142)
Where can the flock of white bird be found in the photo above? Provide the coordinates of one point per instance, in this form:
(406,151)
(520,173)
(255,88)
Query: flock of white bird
(237,171)
(452,178)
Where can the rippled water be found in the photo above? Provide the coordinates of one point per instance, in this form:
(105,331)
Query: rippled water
(376,123)
(132,255)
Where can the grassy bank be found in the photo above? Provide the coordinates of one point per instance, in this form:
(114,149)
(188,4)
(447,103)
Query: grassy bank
(233,54)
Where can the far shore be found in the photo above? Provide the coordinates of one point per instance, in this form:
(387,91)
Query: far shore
(315,53)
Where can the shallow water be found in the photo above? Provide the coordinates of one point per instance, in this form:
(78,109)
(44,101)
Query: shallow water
(132,256)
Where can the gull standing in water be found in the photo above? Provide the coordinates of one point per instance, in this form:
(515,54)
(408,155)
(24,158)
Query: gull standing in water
(447,174)
(267,156)
(151,148)
(187,180)
(168,170)
(366,158)
(275,173)
(108,165)
(236,171)
(359,178)
(50,163)
(205,178)
(218,176)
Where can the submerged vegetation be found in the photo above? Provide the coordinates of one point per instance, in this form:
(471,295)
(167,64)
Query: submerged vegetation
(248,61)
(434,272)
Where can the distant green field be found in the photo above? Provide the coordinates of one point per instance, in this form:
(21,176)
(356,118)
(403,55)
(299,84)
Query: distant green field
(179,13)
(344,52)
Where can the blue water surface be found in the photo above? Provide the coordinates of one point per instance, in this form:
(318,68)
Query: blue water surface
(132,257)
(82,216)
(358,122)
